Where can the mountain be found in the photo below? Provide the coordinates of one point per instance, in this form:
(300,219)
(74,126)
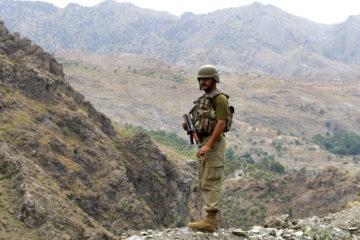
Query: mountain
(254,38)
(344,45)
(66,173)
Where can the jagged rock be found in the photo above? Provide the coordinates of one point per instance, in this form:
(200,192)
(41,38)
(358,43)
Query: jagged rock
(298,234)
(240,232)
(4,223)
(33,153)
(297,226)
(152,172)
(272,232)
(11,211)
(134,237)
(278,222)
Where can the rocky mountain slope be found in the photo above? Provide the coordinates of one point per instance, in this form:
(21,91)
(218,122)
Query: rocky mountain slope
(253,38)
(65,172)
(345,44)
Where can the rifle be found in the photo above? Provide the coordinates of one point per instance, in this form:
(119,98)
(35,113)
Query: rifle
(191,130)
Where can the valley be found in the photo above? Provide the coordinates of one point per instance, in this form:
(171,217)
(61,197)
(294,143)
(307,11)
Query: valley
(276,116)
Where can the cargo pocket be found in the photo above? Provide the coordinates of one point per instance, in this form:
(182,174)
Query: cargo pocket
(212,178)
(213,173)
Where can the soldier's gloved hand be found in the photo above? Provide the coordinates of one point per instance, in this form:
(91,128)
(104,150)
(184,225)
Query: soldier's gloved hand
(203,151)
(185,126)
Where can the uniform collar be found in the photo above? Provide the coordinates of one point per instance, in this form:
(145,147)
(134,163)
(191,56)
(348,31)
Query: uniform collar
(212,94)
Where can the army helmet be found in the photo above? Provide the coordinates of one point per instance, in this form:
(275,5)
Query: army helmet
(208,71)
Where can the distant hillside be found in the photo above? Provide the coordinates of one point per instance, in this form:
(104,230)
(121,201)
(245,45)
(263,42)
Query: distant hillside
(253,38)
(273,115)
(248,202)
(345,44)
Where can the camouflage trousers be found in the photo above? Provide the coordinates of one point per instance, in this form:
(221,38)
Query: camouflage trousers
(210,172)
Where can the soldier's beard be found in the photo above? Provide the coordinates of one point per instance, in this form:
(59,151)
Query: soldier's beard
(207,87)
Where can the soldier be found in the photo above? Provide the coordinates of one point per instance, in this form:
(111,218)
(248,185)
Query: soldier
(211,116)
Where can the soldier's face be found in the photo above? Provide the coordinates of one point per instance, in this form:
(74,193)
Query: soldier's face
(206,84)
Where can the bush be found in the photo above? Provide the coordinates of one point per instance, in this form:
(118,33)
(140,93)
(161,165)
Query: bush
(248,157)
(326,235)
(230,154)
(342,143)
(65,130)
(277,167)
(117,144)
(7,90)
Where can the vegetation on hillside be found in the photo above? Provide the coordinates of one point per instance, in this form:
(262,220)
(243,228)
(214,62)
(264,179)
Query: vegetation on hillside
(342,143)
(171,139)
(91,70)
(264,166)
(259,167)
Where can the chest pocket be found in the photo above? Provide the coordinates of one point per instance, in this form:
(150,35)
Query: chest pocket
(204,116)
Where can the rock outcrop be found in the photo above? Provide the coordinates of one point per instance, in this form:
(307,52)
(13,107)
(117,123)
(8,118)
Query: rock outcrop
(163,185)
(70,175)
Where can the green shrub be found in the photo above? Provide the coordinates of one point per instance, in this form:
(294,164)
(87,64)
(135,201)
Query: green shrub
(118,144)
(277,167)
(65,130)
(342,143)
(7,90)
(254,212)
(326,235)
(180,224)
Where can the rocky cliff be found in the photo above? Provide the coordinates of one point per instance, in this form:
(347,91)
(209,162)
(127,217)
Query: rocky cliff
(70,175)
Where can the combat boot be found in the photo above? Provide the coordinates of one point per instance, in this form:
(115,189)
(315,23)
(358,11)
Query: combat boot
(210,223)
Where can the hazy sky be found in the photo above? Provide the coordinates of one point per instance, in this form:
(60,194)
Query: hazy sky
(322,11)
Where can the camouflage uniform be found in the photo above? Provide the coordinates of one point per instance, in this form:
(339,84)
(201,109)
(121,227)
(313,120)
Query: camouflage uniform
(209,109)
(211,166)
